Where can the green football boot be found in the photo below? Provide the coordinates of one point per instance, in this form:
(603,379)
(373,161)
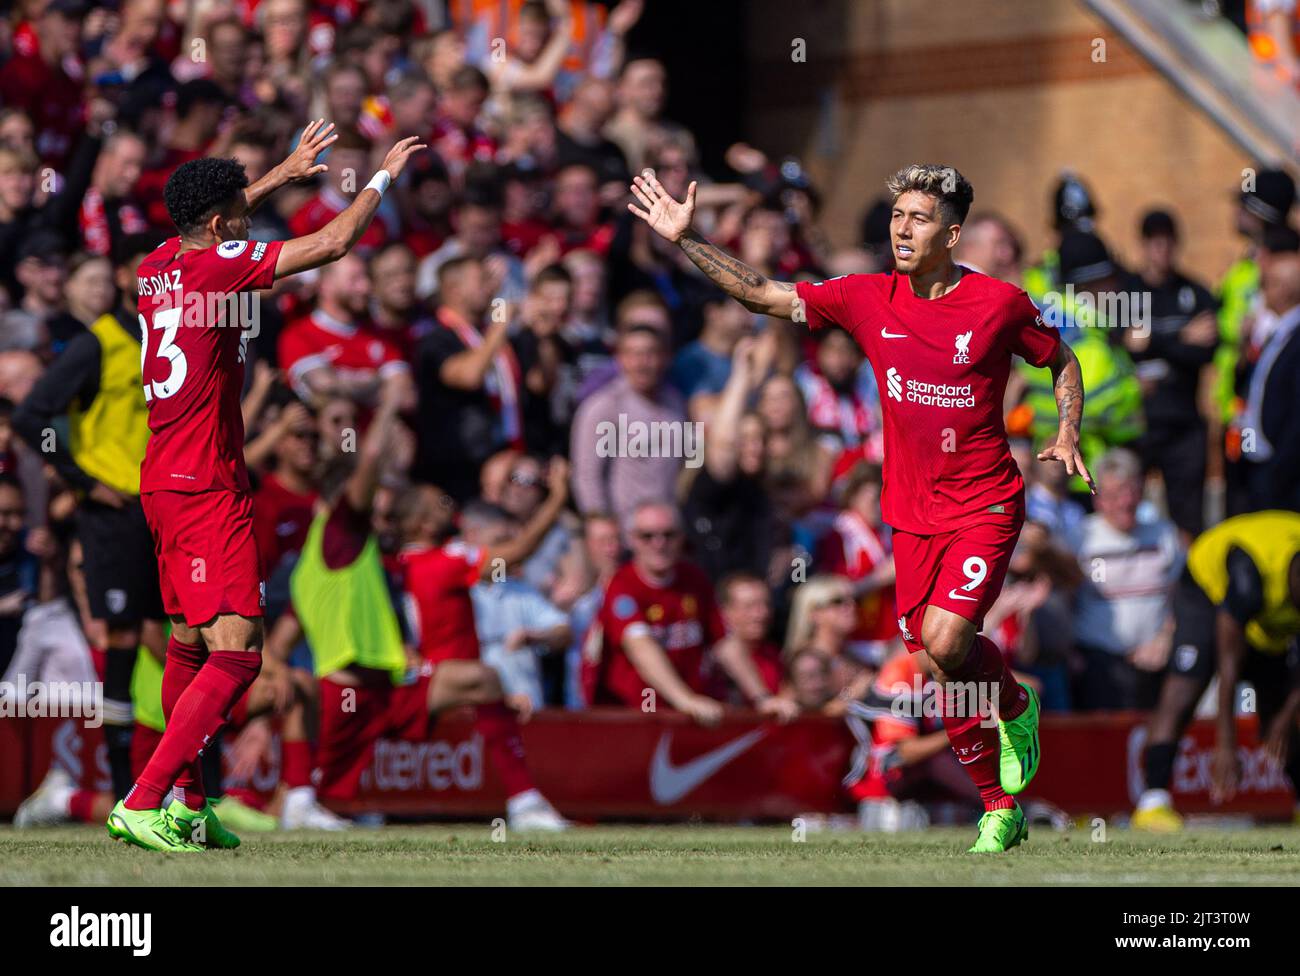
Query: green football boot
(240,816)
(201,826)
(1020,748)
(150,829)
(1001,830)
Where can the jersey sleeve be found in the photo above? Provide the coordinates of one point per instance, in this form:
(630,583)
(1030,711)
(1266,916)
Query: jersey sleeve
(826,302)
(1032,339)
(467,561)
(622,616)
(236,266)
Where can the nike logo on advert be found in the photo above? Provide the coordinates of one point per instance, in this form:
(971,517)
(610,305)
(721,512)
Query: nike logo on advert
(892,335)
(669,783)
(954,595)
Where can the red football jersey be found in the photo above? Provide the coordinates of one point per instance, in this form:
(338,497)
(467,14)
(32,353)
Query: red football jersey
(348,349)
(941,366)
(192,361)
(436,582)
(324,207)
(281,519)
(682,617)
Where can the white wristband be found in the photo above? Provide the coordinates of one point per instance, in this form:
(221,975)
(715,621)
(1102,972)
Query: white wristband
(379,182)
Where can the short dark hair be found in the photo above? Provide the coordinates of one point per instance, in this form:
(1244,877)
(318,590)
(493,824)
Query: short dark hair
(552,272)
(950,188)
(203,187)
(132,246)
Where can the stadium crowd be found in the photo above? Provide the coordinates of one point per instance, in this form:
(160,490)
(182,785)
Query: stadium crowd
(699,487)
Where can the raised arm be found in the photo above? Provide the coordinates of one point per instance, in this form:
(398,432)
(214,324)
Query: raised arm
(337,237)
(521,546)
(298,166)
(1067,381)
(671,220)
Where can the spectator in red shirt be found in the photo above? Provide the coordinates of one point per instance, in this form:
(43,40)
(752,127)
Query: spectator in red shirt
(349,157)
(426,206)
(657,623)
(335,351)
(749,663)
(283,504)
(858,547)
(39,83)
(577,211)
(397,314)
(108,210)
(200,104)
(457,137)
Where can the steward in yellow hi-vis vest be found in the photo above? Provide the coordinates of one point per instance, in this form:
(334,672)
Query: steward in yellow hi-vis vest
(1236,617)
(86,417)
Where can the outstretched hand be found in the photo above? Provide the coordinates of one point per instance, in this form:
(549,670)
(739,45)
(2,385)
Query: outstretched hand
(398,156)
(1067,452)
(667,217)
(301,163)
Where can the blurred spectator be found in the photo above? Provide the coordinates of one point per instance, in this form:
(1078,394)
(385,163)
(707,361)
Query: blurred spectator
(749,664)
(199,108)
(1170,352)
(1122,616)
(285,499)
(593,561)
(522,495)
(1272,454)
(516,624)
(657,623)
(18,570)
(728,513)
(858,547)
(40,83)
(638,124)
(902,762)
(810,681)
(42,273)
(543,354)
(477,223)
(580,137)
(349,158)
(990,246)
(840,395)
(615,466)
(468,383)
(397,314)
(335,351)
(702,366)
(822,620)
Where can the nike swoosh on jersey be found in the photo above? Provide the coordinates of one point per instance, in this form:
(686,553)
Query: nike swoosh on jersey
(893,335)
(669,783)
(954,595)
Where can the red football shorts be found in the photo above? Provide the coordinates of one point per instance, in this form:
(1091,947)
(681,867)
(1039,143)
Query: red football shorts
(354,717)
(207,557)
(961,571)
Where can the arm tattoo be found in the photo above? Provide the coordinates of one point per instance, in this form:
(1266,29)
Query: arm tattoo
(1067,380)
(735,277)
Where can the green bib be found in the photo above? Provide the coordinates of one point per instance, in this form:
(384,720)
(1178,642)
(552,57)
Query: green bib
(346,613)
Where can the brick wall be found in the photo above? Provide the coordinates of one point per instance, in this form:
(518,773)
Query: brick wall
(1007,91)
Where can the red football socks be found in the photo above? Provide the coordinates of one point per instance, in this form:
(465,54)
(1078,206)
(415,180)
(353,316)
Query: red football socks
(295,763)
(974,736)
(500,730)
(199,713)
(183,664)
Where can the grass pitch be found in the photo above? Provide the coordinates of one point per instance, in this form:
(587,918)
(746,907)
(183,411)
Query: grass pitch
(467,854)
